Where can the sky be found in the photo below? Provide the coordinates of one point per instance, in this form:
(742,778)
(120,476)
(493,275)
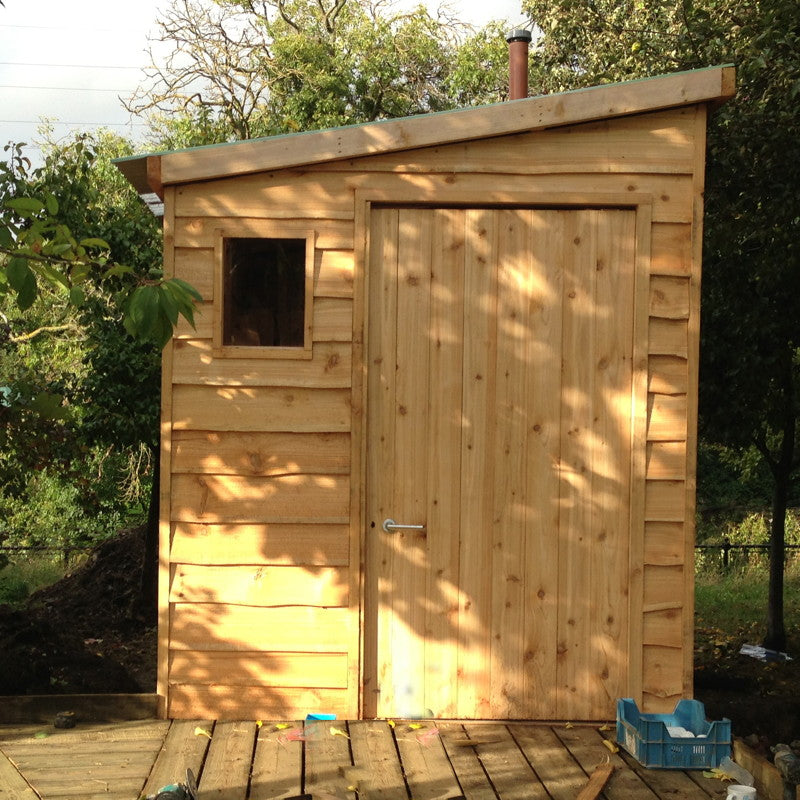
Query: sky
(69,61)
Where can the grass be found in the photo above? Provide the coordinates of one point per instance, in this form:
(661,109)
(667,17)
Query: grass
(737,600)
(21,578)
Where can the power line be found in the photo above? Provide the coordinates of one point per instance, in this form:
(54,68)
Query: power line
(62,66)
(64,88)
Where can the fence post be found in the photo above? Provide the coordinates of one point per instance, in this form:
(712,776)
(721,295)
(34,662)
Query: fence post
(726,553)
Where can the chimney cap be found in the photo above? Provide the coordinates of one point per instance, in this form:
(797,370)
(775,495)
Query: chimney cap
(519,35)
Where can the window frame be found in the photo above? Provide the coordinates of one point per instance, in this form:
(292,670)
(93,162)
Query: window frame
(277,231)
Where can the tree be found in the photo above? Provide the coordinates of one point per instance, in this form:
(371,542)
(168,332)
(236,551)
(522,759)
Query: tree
(750,363)
(79,251)
(239,69)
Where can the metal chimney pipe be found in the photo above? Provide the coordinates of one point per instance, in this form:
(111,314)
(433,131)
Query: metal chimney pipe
(518,41)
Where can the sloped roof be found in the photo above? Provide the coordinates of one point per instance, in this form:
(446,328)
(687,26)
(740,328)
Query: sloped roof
(151,172)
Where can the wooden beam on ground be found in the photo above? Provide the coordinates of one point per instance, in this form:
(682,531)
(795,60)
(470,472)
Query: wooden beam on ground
(12,785)
(277,765)
(226,771)
(425,763)
(597,781)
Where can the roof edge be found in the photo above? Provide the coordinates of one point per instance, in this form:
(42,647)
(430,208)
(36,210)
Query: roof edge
(712,85)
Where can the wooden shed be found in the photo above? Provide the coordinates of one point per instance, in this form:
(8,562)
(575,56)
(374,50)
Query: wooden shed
(481,322)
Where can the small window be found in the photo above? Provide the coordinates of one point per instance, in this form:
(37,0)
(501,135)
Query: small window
(266,291)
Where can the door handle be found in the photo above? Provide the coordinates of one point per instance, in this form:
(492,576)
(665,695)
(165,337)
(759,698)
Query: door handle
(390,526)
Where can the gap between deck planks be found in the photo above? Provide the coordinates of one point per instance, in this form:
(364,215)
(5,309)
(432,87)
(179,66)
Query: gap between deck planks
(337,760)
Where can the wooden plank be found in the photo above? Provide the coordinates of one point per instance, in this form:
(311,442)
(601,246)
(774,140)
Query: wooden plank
(260,453)
(426,766)
(87,707)
(263,586)
(542,445)
(663,679)
(402,649)
(88,732)
(197,362)
(586,746)
(249,702)
(333,273)
(312,670)
(14,786)
(509,772)
(597,781)
(476,551)
(380,462)
(661,586)
(669,297)
(666,461)
(620,145)
(302,410)
(211,626)
(378,773)
(668,337)
(666,417)
(768,780)
(664,627)
(203,231)
(89,788)
(326,759)
(663,543)
(667,375)
(293,194)
(506,448)
(182,750)
(201,543)
(277,766)
(284,498)
(561,775)
(332,320)
(443,512)
(529,114)
(665,501)
(227,767)
(671,249)
(195,265)
(466,764)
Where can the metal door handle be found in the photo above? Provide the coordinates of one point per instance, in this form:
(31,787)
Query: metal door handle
(390,526)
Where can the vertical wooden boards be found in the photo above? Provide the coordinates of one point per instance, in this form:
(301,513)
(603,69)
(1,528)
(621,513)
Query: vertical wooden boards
(501,399)
(226,771)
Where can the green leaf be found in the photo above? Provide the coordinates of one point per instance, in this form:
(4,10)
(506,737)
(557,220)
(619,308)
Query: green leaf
(25,205)
(52,205)
(77,296)
(6,239)
(18,273)
(168,304)
(95,242)
(117,270)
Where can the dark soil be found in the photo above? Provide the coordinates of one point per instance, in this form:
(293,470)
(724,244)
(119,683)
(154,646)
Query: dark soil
(86,634)
(762,700)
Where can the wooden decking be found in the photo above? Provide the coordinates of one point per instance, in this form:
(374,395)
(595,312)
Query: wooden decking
(328,761)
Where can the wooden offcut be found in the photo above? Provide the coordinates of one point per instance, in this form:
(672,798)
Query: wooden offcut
(504,311)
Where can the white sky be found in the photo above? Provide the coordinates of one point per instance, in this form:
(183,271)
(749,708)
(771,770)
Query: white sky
(68,61)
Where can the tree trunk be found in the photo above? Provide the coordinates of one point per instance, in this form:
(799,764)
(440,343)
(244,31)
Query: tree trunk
(782,472)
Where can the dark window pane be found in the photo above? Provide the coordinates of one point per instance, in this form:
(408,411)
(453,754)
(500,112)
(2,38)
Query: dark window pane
(264,304)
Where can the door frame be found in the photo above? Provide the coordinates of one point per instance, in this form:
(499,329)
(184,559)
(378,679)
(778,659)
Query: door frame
(395,191)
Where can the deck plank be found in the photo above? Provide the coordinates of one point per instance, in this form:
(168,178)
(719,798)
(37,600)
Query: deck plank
(226,773)
(12,785)
(375,758)
(560,773)
(277,765)
(471,776)
(182,750)
(586,745)
(427,768)
(506,766)
(327,759)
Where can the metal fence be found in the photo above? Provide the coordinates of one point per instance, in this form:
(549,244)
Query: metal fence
(726,547)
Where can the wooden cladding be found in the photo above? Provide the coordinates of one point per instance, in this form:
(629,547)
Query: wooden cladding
(503,347)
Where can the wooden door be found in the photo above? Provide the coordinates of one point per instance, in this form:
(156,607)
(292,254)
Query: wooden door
(500,350)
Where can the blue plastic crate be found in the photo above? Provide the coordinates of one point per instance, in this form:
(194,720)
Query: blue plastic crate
(646,738)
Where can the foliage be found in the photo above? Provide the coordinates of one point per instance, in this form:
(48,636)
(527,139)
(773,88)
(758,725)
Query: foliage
(750,368)
(239,69)
(42,252)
